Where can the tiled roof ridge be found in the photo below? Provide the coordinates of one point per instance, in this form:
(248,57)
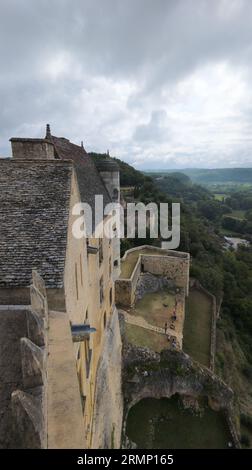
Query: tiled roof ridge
(30,161)
(30,139)
(82,157)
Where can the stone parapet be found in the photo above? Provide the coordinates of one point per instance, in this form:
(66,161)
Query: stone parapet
(29,405)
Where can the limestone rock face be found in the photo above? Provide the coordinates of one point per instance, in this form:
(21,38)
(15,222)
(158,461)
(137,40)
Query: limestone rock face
(173,372)
(107,424)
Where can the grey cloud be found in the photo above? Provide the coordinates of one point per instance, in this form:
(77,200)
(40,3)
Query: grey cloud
(155,130)
(149,44)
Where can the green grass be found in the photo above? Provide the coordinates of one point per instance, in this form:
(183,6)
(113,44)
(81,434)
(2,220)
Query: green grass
(237,214)
(165,424)
(197,327)
(145,338)
(151,307)
(220,197)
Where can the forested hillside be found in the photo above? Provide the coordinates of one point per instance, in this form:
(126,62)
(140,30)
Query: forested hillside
(225,273)
(211,176)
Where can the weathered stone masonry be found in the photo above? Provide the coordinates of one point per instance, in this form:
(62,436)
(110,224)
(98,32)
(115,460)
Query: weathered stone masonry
(170,264)
(29,403)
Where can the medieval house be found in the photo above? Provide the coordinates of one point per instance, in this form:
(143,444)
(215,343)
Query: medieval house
(61,347)
(39,187)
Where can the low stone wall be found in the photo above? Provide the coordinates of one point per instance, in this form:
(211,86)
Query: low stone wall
(108,409)
(134,278)
(172,265)
(194,283)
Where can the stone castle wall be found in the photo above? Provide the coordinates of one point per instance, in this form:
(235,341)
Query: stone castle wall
(173,268)
(29,402)
(195,283)
(123,292)
(108,409)
(125,289)
(172,265)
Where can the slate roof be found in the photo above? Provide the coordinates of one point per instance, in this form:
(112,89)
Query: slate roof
(34,211)
(89,180)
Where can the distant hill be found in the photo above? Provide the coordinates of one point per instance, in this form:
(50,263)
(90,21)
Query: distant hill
(211,176)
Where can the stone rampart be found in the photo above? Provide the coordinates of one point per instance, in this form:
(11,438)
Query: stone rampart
(194,283)
(172,265)
(108,409)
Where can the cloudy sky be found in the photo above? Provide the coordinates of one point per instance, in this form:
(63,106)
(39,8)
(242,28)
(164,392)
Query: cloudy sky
(160,83)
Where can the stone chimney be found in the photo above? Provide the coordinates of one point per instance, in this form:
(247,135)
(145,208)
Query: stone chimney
(32,149)
(48,132)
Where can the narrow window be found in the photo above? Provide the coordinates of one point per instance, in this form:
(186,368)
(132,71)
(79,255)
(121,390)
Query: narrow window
(81,270)
(104,320)
(76,280)
(111,296)
(100,250)
(101,291)
(83,397)
(88,357)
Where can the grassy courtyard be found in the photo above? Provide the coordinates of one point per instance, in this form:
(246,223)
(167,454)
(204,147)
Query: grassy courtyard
(156,307)
(197,327)
(145,338)
(165,424)
(155,311)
